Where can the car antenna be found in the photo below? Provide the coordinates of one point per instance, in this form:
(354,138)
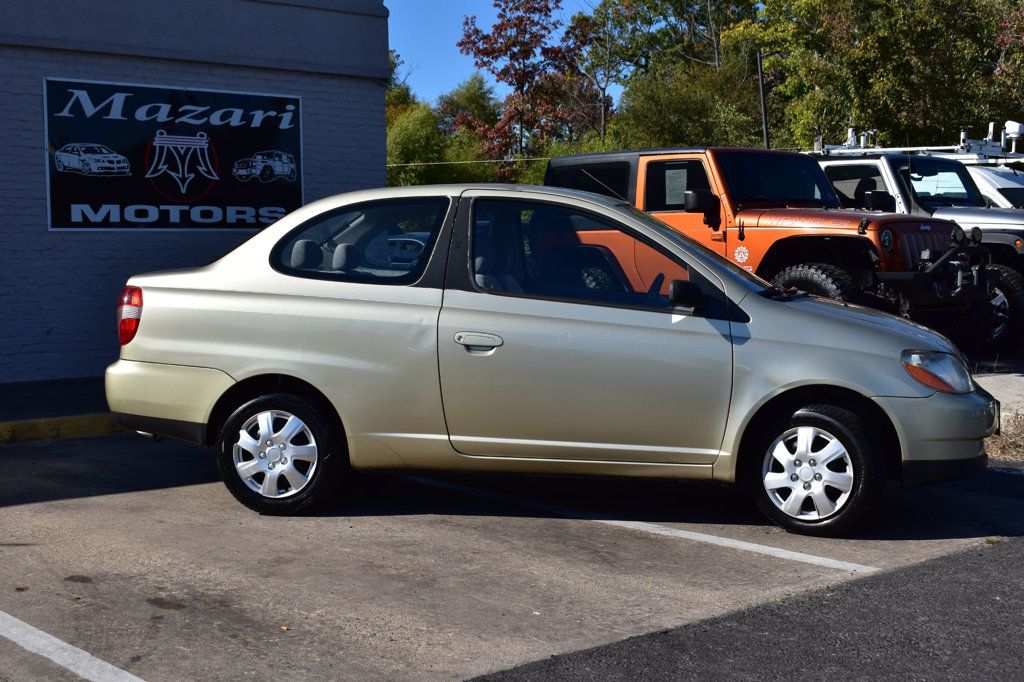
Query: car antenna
(614,193)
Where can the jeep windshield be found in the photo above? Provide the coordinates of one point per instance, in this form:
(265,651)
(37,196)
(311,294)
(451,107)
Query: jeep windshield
(939,182)
(774,180)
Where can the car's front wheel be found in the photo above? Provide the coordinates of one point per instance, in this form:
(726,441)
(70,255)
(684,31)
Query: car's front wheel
(279,454)
(817,472)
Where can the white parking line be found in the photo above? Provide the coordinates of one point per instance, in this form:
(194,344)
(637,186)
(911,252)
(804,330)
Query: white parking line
(653,528)
(63,654)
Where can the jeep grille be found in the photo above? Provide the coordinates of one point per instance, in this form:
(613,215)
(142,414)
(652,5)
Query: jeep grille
(912,241)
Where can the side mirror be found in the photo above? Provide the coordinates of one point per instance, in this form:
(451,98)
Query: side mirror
(684,294)
(703,201)
(879,200)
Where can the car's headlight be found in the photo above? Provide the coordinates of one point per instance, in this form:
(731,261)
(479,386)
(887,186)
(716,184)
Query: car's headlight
(938,371)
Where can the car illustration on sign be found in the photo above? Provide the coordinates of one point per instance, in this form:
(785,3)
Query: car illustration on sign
(267,166)
(90,159)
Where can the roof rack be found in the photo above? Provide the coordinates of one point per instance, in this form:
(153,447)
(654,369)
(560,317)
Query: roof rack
(988,151)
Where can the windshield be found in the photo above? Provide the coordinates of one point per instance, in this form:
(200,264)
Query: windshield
(1015,195)
(95,149)
(774,180)
(748,277)
(937,182)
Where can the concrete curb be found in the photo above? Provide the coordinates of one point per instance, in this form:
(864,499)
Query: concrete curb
(52,428)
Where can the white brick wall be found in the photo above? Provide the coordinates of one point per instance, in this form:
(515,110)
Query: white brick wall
(58,290)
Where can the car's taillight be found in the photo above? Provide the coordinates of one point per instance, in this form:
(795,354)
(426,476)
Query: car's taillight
(129,312)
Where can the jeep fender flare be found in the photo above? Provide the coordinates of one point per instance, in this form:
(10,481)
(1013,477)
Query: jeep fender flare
(841,249)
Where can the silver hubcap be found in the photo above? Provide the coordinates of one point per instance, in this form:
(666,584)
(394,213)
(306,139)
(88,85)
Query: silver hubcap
(808,473)
(276,454)
(1000,313)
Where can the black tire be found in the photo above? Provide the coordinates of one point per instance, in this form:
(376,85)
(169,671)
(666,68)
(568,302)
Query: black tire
(292,176)
(821,279)
(58,163)
(861,455)
(331,464)
(266,174)
(1008,310)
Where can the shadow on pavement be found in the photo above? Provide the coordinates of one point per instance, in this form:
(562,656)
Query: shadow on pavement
(985,504)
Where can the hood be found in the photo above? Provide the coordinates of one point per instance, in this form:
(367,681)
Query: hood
(915,335)
(969,216)
(819,218)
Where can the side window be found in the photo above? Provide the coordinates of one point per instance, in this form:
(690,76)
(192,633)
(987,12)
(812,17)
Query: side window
(668,182)
(609,179)
(385,242)
(852,182)
(543,250)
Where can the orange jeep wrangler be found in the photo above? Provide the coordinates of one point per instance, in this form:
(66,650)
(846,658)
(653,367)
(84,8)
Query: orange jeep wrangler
(775,214)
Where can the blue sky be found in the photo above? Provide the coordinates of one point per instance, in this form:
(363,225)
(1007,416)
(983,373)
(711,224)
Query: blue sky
(424,33)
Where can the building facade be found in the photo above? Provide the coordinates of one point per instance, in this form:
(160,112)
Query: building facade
(140,135)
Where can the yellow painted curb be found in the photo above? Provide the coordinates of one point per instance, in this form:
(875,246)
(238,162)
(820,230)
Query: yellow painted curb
(52,428)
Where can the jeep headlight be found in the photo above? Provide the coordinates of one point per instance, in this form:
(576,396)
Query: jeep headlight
(938,371)
(888,240)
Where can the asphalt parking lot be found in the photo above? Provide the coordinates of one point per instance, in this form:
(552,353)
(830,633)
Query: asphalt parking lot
(133,552)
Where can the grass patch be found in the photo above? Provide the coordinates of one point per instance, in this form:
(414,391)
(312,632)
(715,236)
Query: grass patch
(1009,445)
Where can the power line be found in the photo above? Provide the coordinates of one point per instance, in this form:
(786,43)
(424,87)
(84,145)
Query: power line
(451,163)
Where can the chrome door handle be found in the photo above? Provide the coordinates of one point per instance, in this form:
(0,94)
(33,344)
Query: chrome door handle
(478,340)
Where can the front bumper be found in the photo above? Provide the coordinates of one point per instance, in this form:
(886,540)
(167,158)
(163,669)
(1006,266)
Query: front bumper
(942,436)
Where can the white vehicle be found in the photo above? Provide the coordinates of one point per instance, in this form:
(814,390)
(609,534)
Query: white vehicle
(89,158)
(267,166)
(1003,186)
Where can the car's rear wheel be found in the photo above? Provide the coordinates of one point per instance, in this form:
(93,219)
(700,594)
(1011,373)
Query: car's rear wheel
(279,455)
(57,162)
(817,472)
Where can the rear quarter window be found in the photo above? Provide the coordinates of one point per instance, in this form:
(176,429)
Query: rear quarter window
(382,242)
(610,179)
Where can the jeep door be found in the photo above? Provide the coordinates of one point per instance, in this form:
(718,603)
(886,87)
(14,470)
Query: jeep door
(662,183)
(548,349)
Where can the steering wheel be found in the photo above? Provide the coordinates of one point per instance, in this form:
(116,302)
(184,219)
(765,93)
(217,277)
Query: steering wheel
(654,297)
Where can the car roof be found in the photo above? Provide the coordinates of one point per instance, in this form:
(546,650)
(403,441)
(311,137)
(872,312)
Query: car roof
(456,189)
(632,154)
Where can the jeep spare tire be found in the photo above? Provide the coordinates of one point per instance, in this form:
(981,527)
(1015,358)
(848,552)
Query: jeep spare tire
(820,279)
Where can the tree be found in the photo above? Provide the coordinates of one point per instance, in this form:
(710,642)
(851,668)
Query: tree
(593,47)
(414,139)
(470,105)
(665,32)
(686,104)
(914,71)
(514,52)
(1009,71)
(398,95)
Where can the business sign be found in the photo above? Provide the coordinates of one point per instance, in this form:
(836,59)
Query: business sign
(138,157)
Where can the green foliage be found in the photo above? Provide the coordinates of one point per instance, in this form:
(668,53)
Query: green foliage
(414,138)
(914,71)
(470,104)
(687,104)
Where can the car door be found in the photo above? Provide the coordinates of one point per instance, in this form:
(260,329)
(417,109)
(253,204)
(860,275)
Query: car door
(662,183)
(547,349)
